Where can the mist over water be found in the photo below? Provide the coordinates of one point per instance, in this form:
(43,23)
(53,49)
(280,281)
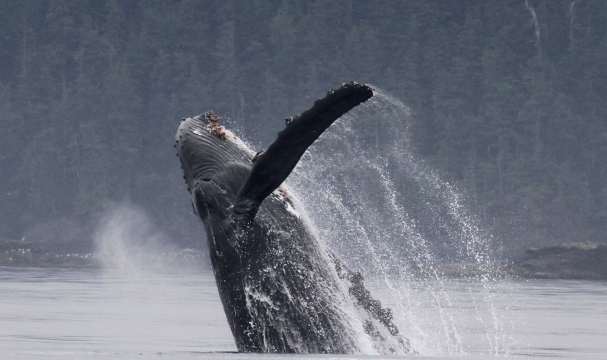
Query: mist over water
(127,240)
(390,215)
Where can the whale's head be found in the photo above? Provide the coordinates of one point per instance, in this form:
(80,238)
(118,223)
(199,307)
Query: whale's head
(209,152)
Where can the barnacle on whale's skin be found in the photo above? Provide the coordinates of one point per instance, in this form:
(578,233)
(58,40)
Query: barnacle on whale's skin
(216,129)
(290,119)
(257,155)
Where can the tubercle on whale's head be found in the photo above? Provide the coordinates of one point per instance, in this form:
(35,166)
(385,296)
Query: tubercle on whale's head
(205,148)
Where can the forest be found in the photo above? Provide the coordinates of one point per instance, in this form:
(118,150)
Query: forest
(509,101)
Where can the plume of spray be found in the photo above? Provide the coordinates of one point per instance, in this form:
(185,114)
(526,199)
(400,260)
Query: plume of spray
(388,213)
(127,240)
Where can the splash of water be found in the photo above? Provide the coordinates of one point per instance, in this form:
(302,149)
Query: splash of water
(386,211)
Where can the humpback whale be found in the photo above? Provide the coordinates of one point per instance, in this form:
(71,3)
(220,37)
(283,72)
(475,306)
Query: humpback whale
(282,290)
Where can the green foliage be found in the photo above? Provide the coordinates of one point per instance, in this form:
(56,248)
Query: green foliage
(91,93)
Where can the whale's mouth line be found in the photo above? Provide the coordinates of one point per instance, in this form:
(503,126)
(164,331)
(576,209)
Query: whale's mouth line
(209,181)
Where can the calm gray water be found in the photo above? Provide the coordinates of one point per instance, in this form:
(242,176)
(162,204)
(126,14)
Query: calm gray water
(101,314)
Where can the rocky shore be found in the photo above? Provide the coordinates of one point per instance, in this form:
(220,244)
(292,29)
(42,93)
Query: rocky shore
(573,261)
(16,253)
(580,261)
(23,254)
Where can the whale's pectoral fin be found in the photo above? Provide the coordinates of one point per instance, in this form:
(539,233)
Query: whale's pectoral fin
(273,166)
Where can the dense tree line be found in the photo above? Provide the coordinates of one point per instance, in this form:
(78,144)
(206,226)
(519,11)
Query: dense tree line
(509,98)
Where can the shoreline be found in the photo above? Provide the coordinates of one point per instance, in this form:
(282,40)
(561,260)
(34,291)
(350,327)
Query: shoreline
(572,261)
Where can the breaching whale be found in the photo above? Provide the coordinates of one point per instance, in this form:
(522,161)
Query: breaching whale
(282,290)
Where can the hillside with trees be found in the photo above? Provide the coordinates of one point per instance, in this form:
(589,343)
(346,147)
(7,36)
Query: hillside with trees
(509,100)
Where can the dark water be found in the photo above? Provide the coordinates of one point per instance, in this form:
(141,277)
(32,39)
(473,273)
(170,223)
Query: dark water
(100,314)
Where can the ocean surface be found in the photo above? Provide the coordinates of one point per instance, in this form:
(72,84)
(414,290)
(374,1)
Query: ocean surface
(130,314)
